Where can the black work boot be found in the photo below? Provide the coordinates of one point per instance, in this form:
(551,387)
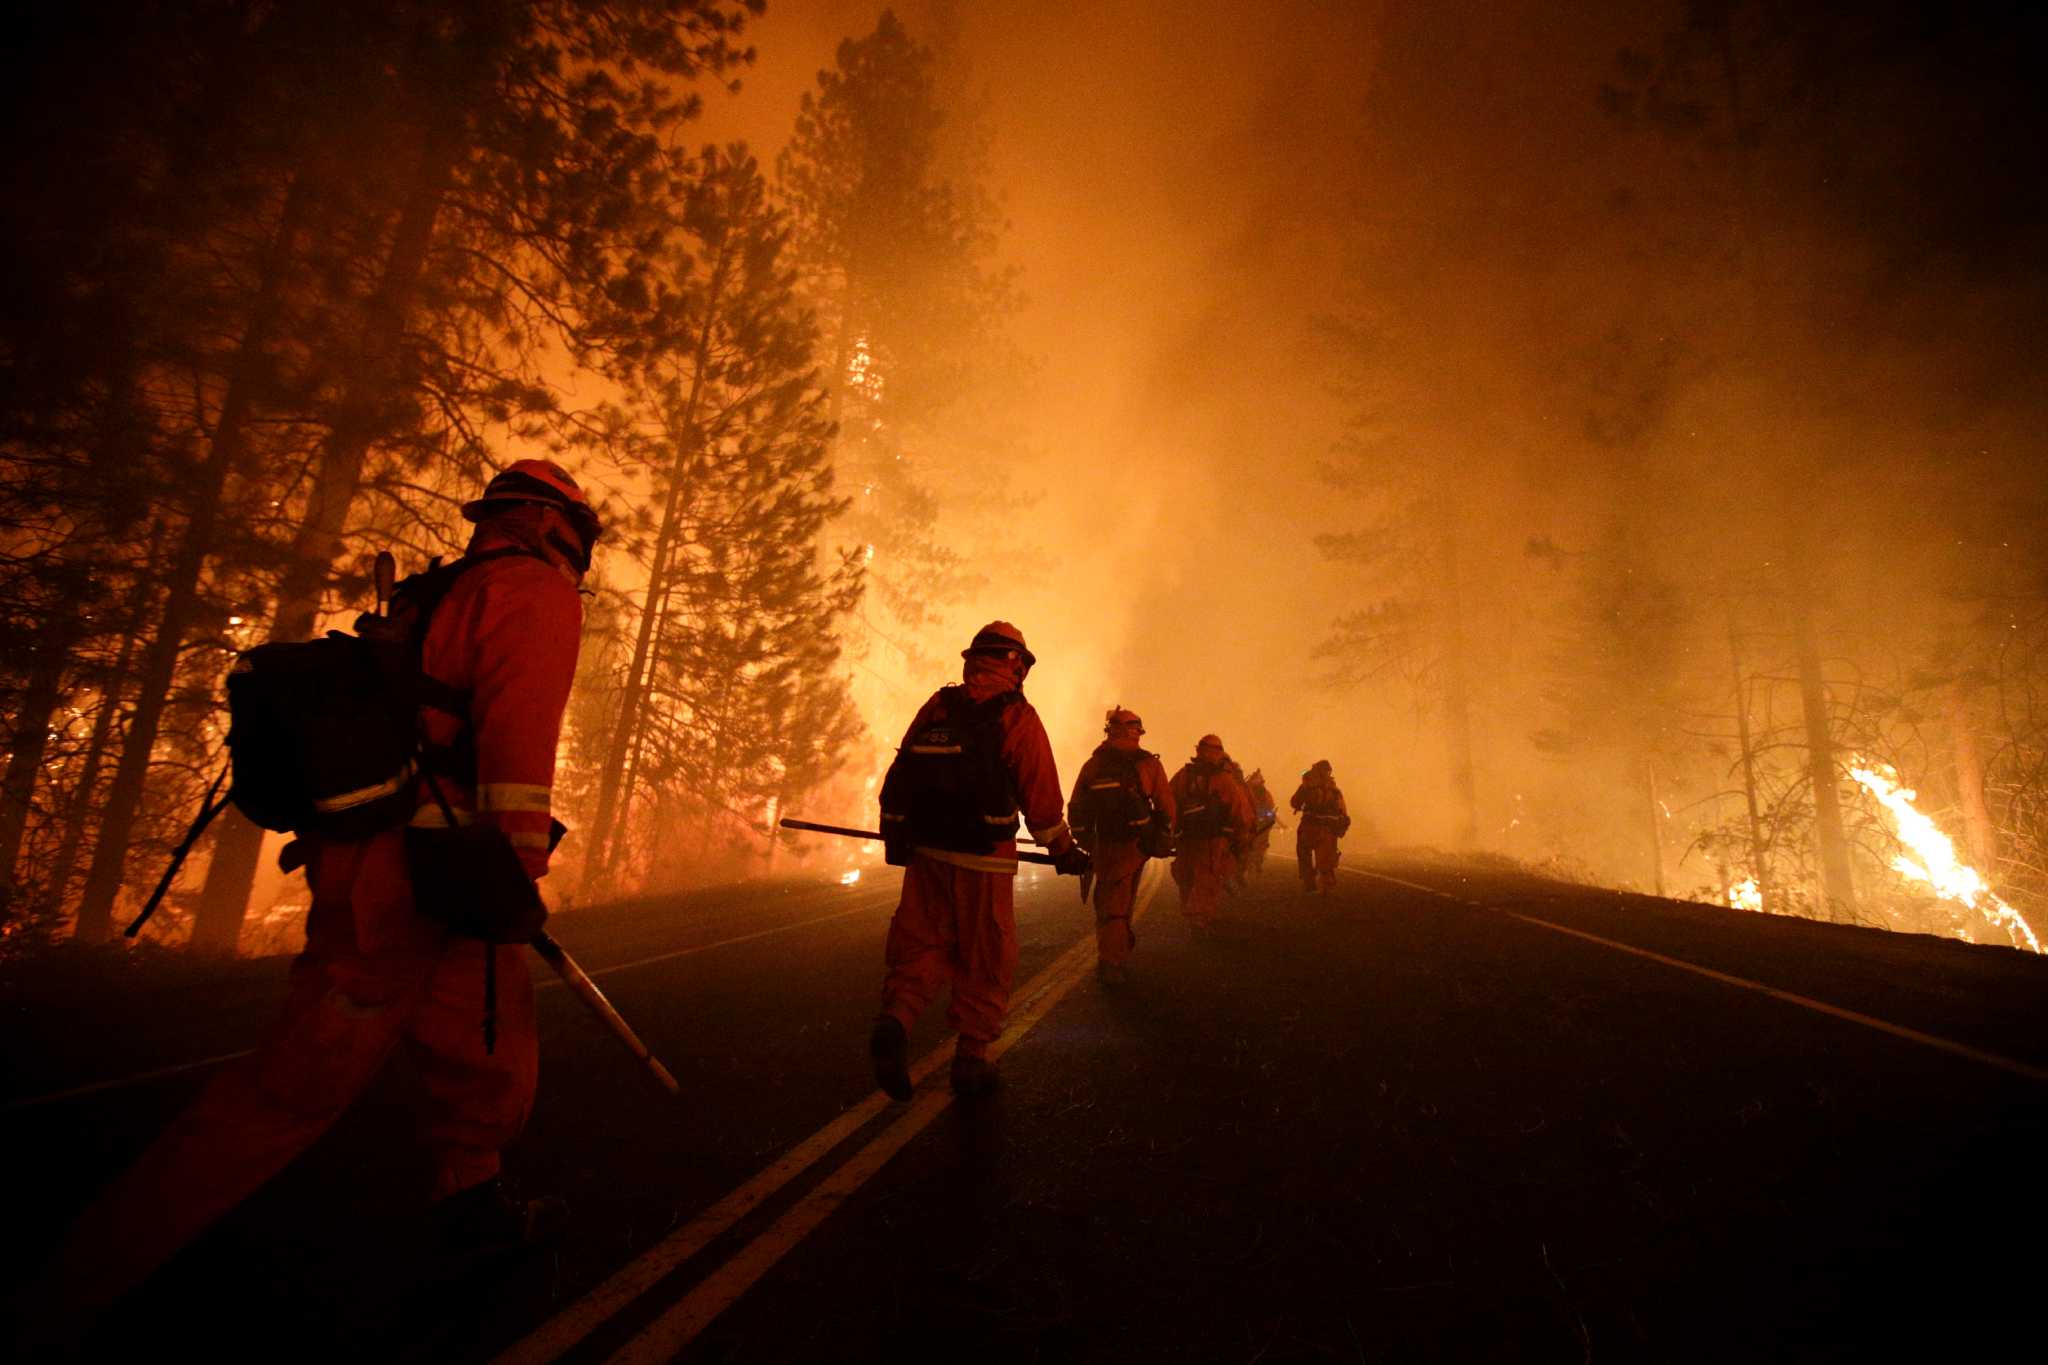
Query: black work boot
(889,1050)
(973,1077)
(484,1221)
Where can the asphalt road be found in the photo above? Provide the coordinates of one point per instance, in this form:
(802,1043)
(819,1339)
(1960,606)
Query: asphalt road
(1416,1120)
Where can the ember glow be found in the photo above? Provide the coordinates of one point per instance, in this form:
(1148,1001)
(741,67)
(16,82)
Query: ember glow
(1930,858)
(1746,895)
(849,877)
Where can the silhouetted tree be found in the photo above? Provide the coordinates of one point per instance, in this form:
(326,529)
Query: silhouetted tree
(896,236)
(726,422)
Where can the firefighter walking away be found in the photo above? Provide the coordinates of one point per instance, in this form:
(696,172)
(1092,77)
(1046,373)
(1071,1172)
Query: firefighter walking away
(1324,820)
(383,968)
(974,756)
(1122,813)
(1216,822)
(1265,815)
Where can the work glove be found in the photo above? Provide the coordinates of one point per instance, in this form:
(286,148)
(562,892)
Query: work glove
(1072,863)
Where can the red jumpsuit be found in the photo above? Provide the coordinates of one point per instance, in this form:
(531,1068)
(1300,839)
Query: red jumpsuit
(1202,866)
(375,974)
(1118,862)
(956,923)
(1323,814)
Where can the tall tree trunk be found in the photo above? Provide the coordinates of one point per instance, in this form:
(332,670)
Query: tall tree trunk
(1656,812)
(684,427)
(1838,883)
(76,808)
(364,417)
(160,660)
(1759,865)
(1457,686)
(114,460)
(31,741)
(1979,834)
(81,801)
(629,781)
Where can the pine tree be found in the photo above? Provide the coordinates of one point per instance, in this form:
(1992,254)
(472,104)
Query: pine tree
(726,422)
(896,237)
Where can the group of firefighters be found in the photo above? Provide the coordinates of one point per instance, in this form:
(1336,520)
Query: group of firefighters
(978,747)
(380,972)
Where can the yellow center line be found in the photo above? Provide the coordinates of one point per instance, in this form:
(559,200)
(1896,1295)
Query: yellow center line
(1911,1035)
(683,1320)
(667,1335)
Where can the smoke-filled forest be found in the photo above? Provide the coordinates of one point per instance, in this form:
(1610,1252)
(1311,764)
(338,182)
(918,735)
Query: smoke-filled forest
(1610,433)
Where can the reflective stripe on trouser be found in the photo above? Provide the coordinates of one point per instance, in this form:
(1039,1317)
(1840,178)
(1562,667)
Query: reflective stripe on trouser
(1117,868)
(368,981)
(953,926)
(1200,869)
(1315,852)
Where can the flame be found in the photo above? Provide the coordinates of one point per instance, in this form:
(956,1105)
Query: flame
(1932,860)
(849,877)
(1746,895)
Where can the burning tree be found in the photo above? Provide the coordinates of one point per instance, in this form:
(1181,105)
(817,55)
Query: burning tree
(894,237)
(341,244)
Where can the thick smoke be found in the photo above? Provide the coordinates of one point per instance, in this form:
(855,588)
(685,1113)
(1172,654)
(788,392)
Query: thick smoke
(1671,294)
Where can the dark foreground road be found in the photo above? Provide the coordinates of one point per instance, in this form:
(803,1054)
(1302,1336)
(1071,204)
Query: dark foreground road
(1391,1125)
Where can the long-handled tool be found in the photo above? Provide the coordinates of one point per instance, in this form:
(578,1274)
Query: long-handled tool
(576,980)
(553,953)
(213,804)
(845,833)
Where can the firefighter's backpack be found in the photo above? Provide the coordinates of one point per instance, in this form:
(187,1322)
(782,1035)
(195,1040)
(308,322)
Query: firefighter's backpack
(948,787)
(1204,814)
(1325,805)
(323,735)
(1265,811)
(1113,806)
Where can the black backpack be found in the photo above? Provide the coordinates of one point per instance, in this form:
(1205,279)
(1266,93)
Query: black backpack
(1113,807)
(947,787)
(1204,814)
(323,735)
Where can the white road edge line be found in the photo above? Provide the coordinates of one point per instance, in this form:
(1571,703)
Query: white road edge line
(684,1319)
(1991,1059)
(143,1077)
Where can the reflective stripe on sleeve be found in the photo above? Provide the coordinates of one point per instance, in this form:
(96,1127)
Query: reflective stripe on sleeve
(1050,833)
(514,796)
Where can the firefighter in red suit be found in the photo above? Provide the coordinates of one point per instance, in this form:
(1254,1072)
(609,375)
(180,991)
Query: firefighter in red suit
(1324,820)
(1216,823)
(955,924)
(1116,774)
(377,974)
